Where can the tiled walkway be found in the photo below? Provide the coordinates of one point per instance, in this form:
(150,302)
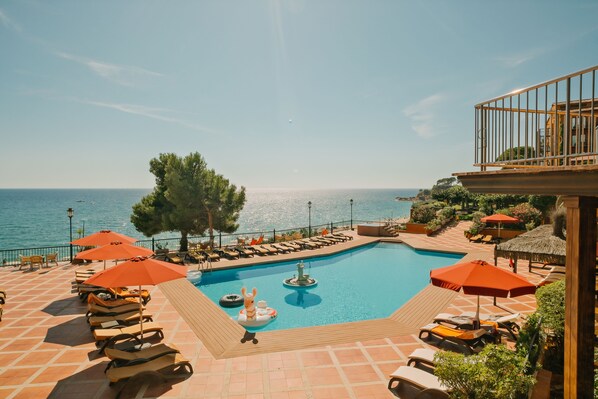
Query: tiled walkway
(47,350)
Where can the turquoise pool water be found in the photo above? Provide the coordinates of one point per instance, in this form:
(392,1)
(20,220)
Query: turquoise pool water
(368,282)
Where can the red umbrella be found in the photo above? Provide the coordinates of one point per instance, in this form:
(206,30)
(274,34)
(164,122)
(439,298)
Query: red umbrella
(103,237)
(500,219)
(138,271)
(114,250)
(481,278)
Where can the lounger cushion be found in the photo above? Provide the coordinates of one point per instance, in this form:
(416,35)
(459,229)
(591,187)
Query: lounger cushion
(107,333)
(423,355)
(418,378)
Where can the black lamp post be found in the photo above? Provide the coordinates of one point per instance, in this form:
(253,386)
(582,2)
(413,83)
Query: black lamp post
(70,213)
(351,202)
(309,210)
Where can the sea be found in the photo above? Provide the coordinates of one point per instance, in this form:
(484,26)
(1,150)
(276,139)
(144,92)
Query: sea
(38,217)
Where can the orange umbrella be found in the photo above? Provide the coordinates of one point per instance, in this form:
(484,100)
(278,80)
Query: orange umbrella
(138,271)
(114,250)
(500,219)
(103,237)
(481,278)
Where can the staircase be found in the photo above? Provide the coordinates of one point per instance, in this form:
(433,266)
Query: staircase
(389,231)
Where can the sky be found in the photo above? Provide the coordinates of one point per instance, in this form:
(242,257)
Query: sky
(273,94)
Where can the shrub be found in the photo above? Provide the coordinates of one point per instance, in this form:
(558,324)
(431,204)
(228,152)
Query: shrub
(423,214)
(527,214)
(447,212)
(434,225)
(477,225)
(531,341)
(551,308)
(496,372)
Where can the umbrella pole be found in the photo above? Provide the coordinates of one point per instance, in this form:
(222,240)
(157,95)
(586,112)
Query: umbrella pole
(477,314)
(141,313)
(104,264)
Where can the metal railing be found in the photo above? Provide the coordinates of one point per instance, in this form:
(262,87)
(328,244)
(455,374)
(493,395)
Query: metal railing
(11,257)
(551,124)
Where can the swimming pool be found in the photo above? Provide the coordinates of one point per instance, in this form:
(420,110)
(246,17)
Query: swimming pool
(363,283)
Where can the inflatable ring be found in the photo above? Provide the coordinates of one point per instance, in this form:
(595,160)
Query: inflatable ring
(231,301)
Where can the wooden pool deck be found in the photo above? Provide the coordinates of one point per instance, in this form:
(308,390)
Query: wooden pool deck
(225,338)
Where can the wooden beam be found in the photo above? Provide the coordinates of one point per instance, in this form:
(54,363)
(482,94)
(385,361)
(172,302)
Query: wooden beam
(579,299)
(569,180)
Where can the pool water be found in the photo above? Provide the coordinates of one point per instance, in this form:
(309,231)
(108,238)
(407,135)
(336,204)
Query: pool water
(368,282)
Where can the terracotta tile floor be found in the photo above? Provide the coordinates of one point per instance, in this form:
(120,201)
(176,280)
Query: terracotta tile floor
(47,350)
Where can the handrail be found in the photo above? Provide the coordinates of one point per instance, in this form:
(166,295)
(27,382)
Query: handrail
(550,124)
(537,86)
(10,257)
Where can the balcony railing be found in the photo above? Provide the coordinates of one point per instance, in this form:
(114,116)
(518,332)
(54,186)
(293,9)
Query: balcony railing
(551,124)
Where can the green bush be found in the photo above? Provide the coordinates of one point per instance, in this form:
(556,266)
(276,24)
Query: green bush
(434,225)
(527,214)
(477,225)
(551,308)
(494,373)
(530,341)
(447,212)
(423,214)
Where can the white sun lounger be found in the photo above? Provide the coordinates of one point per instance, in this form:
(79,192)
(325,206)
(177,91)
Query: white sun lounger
(420,379)
(422,356)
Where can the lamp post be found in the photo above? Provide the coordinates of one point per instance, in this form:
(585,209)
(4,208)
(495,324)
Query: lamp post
(70,213)
(309,210)
(351,202)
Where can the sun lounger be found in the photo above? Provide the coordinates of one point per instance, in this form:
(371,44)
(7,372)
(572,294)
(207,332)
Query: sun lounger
(109,303)
(2,302)
(94,309)
(557,269)
(176,258)
(469,340)
(211,256)
(121,292)
(84,290)
(122,318)
(194,256)
(153,369)
(259,250)
(82,275)
(343,235)
(476,238)
(487,239)
(422,356)
(271,250)
(106,337)
(507,322)
(245,252)
(291,245)
(119,358)
(551,278)
(324,241)
(426,382)
(311,244)
(227,253)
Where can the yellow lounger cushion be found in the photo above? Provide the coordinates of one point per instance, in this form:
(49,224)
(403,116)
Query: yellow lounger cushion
(107,333)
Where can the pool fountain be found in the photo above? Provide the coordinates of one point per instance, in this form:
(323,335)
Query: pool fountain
(301,280)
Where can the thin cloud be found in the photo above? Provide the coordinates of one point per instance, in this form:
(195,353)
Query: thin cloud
(7,22)
(514,60)
(160,114)
(423,116)
(122,74)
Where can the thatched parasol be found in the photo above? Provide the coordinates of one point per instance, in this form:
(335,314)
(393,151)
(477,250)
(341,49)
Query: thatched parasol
(539,245)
